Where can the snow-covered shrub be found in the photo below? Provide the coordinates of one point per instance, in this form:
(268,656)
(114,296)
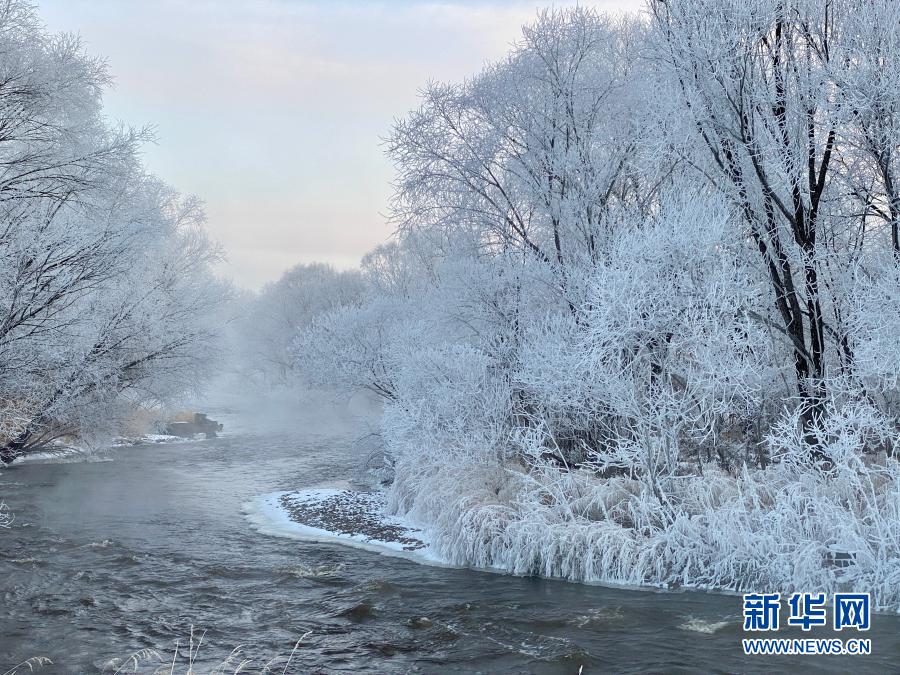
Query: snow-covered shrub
(663,354)
(356,346)
(450,390)
(874,324)
(782,528)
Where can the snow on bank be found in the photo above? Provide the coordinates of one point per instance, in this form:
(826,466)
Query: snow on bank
(348,517)
(783,528)
(148,439)
(62,453)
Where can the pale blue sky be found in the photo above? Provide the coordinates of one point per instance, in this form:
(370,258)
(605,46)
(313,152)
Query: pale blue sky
(272,110)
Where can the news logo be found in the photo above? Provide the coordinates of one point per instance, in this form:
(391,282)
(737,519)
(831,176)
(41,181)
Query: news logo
(762,612)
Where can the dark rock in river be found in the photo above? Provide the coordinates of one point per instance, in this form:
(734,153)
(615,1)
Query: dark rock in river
(360,612)
(201,424)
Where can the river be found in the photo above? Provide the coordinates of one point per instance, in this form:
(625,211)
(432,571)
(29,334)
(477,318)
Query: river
(108,557)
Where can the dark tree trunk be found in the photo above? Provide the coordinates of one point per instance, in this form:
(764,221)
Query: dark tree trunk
(14,448)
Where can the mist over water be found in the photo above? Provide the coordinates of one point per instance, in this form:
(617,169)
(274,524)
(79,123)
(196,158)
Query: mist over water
(108,557)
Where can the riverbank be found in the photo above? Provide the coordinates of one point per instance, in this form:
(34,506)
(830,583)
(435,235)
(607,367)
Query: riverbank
(66,452)
(784,529)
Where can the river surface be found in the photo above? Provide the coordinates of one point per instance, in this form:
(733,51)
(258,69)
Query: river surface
(108,557)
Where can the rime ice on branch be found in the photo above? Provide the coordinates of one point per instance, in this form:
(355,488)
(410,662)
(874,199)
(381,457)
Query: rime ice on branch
(105,285)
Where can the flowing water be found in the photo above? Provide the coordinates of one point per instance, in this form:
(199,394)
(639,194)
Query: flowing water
(108,557)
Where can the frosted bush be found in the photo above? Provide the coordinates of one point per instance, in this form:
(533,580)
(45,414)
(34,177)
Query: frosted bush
(780,528)
(875,321)
(450,390)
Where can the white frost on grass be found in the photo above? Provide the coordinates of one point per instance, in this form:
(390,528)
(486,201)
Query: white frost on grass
(6,518)
(784,528)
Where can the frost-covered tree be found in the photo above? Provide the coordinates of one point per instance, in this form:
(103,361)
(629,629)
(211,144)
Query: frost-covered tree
(105,283)
(866,80)
(537,154)
(271,321)
(793,121)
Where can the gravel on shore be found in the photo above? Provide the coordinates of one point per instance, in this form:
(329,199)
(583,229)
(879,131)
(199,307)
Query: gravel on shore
(349,513)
